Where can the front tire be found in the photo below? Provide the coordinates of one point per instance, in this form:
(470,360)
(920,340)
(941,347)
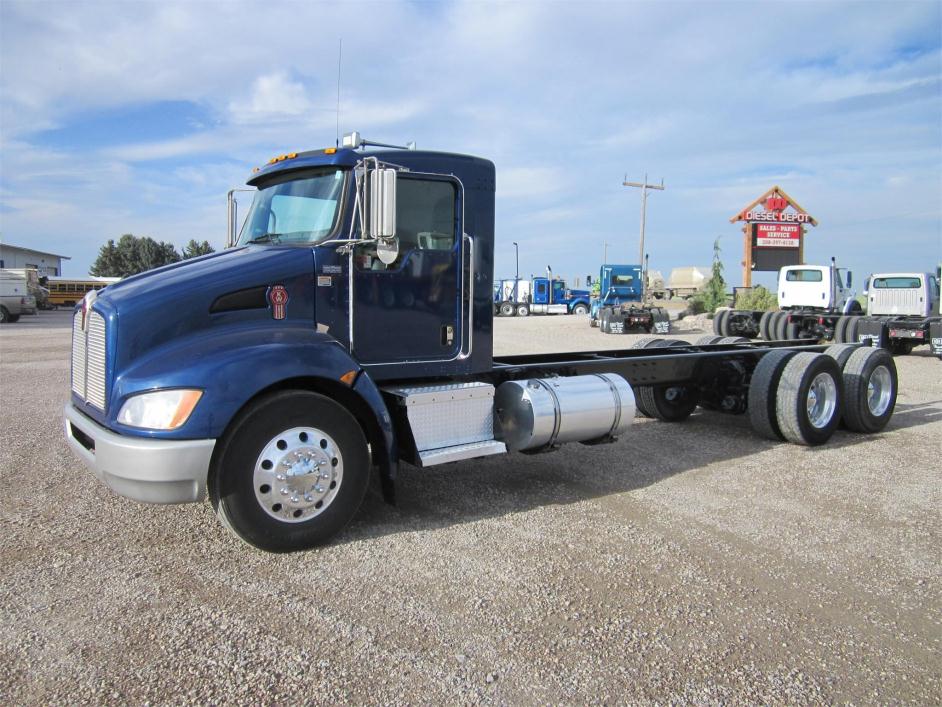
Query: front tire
(291,472)
(580,309)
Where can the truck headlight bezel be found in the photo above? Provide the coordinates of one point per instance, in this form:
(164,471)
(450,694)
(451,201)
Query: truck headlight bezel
(159,409)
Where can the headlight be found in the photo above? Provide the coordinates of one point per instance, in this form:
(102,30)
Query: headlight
(162,410)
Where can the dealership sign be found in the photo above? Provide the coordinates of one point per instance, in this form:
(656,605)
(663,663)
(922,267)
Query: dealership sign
(775,207)
(785,216)
(774,228)
(778,235)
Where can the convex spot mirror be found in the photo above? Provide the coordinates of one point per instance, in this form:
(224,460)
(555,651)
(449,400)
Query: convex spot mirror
(382,206)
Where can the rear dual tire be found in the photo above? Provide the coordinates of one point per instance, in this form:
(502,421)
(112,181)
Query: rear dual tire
(808,399)
(870,387)
(802,397)
(720,318)
(764,321)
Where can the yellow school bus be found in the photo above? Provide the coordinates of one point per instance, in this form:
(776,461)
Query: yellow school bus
(66,291)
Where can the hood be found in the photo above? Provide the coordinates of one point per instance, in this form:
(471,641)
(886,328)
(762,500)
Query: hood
(215,290)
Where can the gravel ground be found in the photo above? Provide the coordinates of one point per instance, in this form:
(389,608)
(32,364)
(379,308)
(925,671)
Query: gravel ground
(688,563)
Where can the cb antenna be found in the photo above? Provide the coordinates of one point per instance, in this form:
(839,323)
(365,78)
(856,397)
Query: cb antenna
(339,59)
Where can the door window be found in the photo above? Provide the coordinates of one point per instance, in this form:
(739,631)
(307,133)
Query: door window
(425,214)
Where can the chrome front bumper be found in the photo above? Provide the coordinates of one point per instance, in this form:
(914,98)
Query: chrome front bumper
(147,470)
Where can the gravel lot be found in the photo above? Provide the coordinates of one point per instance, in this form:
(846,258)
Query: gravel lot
(685,563)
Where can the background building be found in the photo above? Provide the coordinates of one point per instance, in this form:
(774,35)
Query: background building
(13,256)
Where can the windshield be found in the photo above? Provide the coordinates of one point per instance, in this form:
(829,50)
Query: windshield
(302,210)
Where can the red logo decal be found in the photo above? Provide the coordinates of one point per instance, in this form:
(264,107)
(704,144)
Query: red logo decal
(278,297)
(775,203)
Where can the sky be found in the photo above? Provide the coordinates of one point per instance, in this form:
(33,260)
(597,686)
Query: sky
(138,117)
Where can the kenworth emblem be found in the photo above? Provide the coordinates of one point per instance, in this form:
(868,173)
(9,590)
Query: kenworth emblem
(278,298)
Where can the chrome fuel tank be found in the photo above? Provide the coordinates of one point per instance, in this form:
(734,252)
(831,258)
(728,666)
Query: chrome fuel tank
(537,413)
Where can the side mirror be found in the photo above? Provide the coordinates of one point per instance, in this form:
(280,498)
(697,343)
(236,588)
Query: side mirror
(382,186)
(850,278)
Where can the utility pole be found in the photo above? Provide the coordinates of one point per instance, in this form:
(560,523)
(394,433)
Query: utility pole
(643,186)
(604,252)
(516,269)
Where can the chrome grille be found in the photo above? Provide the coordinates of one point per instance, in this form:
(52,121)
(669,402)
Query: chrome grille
(89,359)
(78,355)
(95,376)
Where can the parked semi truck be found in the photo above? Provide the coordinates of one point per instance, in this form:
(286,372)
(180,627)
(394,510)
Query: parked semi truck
(811,299)
(540,295)
(620,307)
(349,329)
(902,313)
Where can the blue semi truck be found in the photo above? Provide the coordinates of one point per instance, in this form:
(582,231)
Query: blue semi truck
(620,307)
(539,295)
(348,329)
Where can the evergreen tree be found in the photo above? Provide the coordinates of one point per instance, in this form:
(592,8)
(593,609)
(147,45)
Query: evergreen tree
(715,294)
(194,249)
(132,255)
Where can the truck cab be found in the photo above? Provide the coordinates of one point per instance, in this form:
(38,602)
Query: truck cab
(819,287)
(914,294)
(618,284)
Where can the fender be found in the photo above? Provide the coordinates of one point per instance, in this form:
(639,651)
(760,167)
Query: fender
(579,300)
(237,363)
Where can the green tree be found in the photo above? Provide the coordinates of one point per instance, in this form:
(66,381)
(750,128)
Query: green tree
(132,255)
(194,249)
(107,261)
(715,293)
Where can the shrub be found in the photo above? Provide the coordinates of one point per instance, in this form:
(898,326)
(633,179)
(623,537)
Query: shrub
(696,306)
(757,299)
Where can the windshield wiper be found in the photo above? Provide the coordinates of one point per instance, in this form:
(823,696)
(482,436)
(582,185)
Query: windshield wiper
(266,238)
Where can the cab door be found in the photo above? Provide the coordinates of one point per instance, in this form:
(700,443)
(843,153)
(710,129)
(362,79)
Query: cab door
(410,310)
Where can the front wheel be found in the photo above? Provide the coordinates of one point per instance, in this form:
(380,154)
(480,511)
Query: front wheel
(4,315)
(580,309)
(291,472)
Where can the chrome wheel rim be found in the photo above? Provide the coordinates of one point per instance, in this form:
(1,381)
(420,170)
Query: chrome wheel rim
(822,400)
(879,390)
(298,474)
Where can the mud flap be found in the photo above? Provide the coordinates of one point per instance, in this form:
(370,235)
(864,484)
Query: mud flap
(935,337)
(660,321)
(872,330)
